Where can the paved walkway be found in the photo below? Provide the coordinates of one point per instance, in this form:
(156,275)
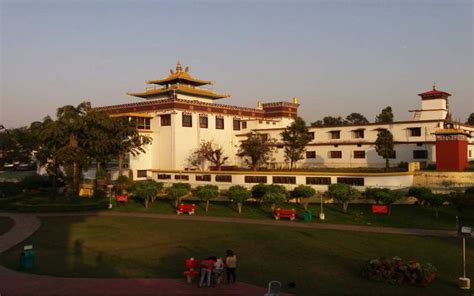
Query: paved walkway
(16,283)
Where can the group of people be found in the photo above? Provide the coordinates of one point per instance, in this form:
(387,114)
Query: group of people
(213,268)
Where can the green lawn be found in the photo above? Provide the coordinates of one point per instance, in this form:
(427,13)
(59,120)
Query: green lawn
(320,262)
(5,224)
(413,216)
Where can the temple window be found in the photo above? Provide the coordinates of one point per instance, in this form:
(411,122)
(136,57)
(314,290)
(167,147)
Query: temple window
(318,180)
(420,154)
(415,131)
(334,134)
(236,124)
(351,181)
(219,123)
(203,121)
(335,154)
(311,135)
(165,120)
(358,134)
(142,123)
(359,154)
(284,180)
(310,154)
(187,120)
(244,124)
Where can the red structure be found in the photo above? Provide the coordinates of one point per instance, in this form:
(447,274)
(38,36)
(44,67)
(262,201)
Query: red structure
(451,149)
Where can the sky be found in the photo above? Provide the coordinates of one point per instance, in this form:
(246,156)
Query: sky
(337,57)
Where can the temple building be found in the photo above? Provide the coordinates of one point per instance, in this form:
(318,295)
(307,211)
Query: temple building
(180,111)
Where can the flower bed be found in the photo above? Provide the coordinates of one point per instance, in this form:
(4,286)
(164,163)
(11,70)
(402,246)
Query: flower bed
(397,272)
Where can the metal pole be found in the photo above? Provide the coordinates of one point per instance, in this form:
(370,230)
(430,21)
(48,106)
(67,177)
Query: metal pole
(464,255)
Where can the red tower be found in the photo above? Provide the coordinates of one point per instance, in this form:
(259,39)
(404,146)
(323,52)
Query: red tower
(451,149)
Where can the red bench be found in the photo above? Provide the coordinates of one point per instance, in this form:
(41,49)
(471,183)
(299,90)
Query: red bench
(182,208)
(191,269)
(123,198)
(380,209)
(284,213)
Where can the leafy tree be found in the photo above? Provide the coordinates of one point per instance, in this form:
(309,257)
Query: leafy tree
(464,199)
(178,191)
(386,116)
(356,118)
(146,190)
(121,184)
(343,193)
(384,145)
(384,196)
(211,152)
(256,149)
(238,194)
(17,145)
(419,192)
(258,191)
(329,121)
(303,192)
(295,138)
(274,198)
(436,201)
(470,119)
(207,193)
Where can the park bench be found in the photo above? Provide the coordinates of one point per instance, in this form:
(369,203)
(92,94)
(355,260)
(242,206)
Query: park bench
(182,208)
(284,213)
(191,269)
(123,198)
(380,209)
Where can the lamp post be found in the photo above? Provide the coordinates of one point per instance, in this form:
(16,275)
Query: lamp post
(321,215)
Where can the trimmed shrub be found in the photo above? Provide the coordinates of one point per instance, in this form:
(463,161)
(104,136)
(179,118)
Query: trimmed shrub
(177,191)
(146,190)
(238,194)
(397,272)
(303,192)
(383,196)
(274,198)
(343,193)
(207,193)
(259,190)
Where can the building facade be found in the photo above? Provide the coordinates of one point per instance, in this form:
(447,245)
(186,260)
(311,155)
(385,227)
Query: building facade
(179,112)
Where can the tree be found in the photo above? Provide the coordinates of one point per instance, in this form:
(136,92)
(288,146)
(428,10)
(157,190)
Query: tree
(146,190)
(238,194)
(435,200)
(386,116)
(384,145)
(274,198)
(303,192)
(295,138)
(212,152)
(329,121)
(256,149)
(470,119)
(178,191)
(384,196)
(207,193)
(356,118)
(343,193)
(17,145)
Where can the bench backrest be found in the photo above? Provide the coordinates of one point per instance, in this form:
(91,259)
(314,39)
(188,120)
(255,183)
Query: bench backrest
(187,207)
(285,211)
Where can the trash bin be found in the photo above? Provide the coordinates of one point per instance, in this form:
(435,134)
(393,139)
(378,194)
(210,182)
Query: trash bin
(308,216)
(27,258)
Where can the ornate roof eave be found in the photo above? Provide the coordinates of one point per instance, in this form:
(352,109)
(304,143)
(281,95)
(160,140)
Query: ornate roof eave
(180,89)
(178,77)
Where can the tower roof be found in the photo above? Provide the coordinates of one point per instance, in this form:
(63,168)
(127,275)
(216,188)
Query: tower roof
(434,93)
(180,76)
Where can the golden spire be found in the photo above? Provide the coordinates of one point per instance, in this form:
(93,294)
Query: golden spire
(295,100)
(259,105)
(179,68)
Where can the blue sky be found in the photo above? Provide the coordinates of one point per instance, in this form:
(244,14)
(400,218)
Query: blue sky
(337,57)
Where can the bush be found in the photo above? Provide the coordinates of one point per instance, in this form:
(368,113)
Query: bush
(274,198)
(177,191)
(259,190)
(35,182)
(146,190)
(9,189)
(343,193)
(383,196)
(207,193)
(303,192)
(419,192)
(238,194)
(397,272)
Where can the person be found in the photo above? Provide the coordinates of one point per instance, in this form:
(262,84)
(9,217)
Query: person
(230,266)
(206,271)
(218,270)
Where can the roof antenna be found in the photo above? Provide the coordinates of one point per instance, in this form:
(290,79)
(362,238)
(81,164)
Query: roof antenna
(434,85)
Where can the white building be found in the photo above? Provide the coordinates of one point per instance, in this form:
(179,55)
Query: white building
(178,113)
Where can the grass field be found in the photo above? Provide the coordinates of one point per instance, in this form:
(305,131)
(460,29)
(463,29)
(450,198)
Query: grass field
(412,216)
(319,262)
(5,224)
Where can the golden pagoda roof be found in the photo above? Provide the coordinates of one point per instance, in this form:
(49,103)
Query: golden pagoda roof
(451,131)
(180,76)
(179,89)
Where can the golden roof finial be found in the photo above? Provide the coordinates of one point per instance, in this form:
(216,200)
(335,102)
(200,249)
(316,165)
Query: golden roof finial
(179,68)
(259,105)
(295,100)
(434,85)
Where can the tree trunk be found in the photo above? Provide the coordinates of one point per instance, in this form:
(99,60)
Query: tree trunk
(345,205)
(120,164)
(436,213)
(387,164)
(389,209)
(75,177)
(304,203)
(207,205)
(176,203)
(273,206)
(146,203)
(239,207)
(254,166)
(97,169)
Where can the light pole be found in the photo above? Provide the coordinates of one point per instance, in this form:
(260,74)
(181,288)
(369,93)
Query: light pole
(321,215)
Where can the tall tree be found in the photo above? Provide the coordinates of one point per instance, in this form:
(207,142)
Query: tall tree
(295,138)
(470,119)
(213,153)
(384,145)
(329,121)
(256,149)
(386,116)
(17,145)
(356,118)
